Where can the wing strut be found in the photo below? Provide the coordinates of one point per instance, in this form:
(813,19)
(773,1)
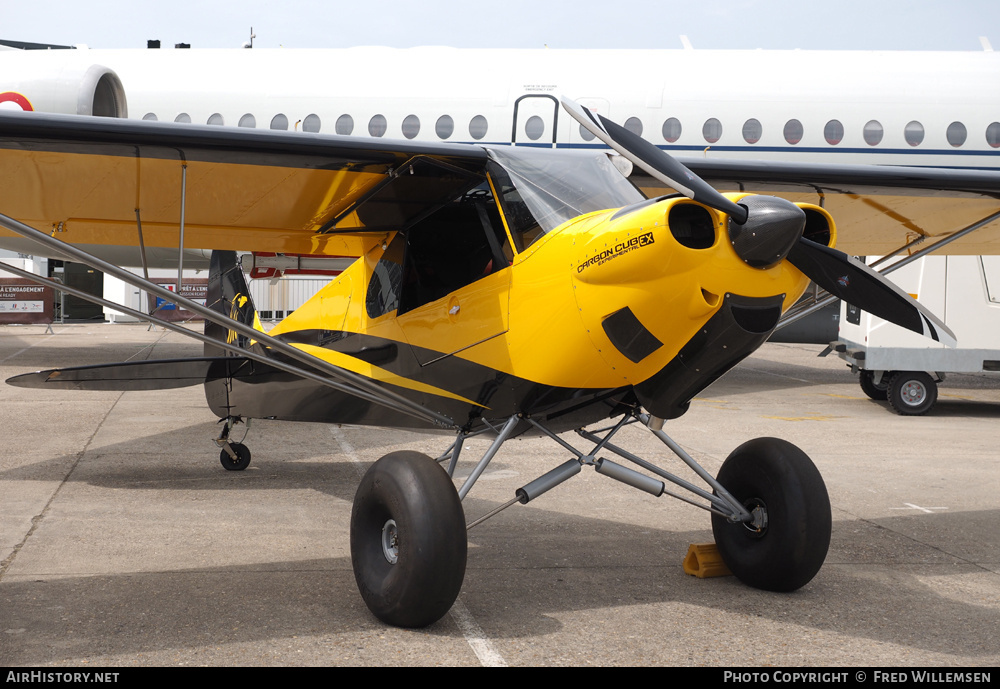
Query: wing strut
(169,325)
(350,383)
(180,249)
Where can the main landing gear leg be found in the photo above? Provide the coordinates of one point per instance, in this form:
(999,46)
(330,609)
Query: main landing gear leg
(234,456)
(770,509)
(770,515)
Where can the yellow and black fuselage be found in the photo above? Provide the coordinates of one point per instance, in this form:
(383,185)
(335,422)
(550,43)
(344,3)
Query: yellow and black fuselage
(646,304)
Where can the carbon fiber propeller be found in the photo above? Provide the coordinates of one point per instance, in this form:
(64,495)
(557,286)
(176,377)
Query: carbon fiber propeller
(766,230)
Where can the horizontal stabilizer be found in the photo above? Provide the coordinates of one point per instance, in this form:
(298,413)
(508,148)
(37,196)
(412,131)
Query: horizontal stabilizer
(162,374)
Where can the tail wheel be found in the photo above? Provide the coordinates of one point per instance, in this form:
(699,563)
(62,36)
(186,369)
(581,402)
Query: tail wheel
(408,540)
(785,544)
(242,460)
(876,391)
(912,393)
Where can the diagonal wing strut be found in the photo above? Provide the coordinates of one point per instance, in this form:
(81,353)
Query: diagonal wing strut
(343,380)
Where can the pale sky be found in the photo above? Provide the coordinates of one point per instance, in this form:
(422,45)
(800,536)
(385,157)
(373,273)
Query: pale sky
(835,24)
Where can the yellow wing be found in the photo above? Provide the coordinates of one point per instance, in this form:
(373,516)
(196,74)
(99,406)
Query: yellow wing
(878,209)
(91,181)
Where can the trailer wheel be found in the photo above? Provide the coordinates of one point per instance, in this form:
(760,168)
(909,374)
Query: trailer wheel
(876,391)
(912,393)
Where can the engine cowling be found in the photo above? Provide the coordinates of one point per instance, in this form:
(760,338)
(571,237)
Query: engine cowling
(46,81)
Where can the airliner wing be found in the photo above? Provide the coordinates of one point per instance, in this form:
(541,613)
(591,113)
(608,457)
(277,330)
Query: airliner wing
(89,179)
(877,208)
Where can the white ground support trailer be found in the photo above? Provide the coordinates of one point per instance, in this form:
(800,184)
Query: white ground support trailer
(903,367)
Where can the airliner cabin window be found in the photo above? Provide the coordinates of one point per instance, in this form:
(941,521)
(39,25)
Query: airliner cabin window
(248,120)
(345,125)
(279,121)
(993,135)
(585,134)
(411,126)
(534,127)
(671,130)
(913,132)
(183,117)
(712,130)
(216,119)
(377,125)
(833,132)
(793,131)
(444,127)
(873,132)
(478,127)
(956,134)
(312,124)
(634,125)
(752,131)
(150,117)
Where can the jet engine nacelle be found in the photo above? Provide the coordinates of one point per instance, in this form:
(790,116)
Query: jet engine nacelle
(30,81)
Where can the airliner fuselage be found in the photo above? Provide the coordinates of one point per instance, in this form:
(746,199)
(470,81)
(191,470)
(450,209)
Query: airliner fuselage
(899,108)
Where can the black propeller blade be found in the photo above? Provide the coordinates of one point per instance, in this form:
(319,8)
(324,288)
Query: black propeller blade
(764,230)
(851,280)
(654,161)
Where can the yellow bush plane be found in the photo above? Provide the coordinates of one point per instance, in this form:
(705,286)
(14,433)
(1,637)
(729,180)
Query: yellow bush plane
(505,290)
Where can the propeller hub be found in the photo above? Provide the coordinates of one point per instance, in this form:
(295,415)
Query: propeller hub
(772,228)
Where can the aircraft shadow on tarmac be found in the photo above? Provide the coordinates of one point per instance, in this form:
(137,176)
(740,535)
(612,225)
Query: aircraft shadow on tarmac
(521,576)
(526,567)
(63,353)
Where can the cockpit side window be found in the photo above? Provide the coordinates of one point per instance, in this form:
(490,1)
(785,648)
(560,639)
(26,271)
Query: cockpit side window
(386,281)
(457,244)
(524,229)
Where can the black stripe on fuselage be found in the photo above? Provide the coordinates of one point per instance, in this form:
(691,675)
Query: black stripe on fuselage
(496,394)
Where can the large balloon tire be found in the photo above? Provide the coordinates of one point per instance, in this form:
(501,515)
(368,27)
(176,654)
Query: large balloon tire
(777,479)
(407,509)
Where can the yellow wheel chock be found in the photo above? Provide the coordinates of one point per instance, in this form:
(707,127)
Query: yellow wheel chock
(703,561)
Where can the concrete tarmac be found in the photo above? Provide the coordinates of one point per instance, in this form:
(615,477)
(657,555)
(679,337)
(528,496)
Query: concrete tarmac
(123,542)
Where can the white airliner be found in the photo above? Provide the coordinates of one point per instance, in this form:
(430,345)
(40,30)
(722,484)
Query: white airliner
(925,109)
(900,108)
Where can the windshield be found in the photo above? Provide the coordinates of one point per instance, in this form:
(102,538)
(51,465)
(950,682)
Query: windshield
(556,186)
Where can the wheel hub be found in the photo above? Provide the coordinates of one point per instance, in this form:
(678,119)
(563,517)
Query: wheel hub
(390,542)
(757,525)
(913,393)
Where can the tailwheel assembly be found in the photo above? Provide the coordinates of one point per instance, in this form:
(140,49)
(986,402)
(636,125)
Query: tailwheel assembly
(240,461)
(234,456)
